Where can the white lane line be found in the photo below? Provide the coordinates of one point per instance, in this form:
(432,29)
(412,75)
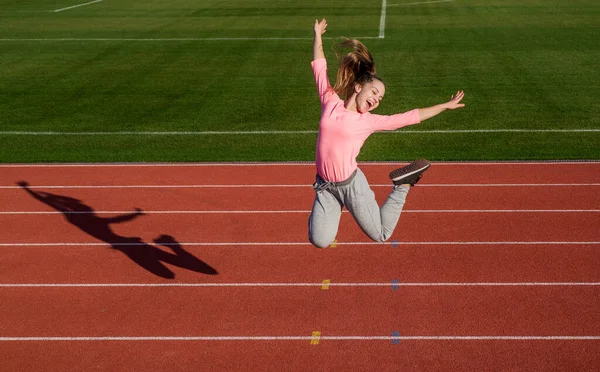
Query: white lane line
(295,164)
(263,132)
(331,284)
(382,19)
(308,338)
(291,186)
(393,243)
(302,211)
(500,184)
(77,6)
(151,186)
(422,2)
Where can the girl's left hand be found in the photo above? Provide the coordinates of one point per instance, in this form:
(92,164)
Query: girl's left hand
(454,102)
(320,27)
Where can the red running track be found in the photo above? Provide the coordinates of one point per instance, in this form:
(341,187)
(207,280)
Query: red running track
(492,267)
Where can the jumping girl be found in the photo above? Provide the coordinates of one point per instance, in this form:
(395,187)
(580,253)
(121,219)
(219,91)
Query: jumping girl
(343,128)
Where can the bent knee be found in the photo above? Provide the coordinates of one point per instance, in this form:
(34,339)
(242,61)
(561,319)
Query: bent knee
(379,238)
(321,242)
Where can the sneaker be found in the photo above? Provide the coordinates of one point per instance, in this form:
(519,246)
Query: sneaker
(411,174)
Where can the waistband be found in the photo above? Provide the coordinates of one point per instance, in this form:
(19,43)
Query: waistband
(321,184)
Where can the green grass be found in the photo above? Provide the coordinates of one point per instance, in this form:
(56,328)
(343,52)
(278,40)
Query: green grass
(526,64)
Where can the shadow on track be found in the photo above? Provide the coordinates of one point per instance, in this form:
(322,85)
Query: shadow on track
(147,256)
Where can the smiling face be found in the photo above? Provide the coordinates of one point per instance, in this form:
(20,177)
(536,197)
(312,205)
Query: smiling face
(368,95)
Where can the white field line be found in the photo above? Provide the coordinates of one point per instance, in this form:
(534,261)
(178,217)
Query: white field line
(291,186)
(77,6)
(393,243)
(288,132)
(382,19)
(321,284)
(422,2)
(303,211)
(307,338)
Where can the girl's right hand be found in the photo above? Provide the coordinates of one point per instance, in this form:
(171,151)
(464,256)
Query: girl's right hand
(454,102)
(320,27)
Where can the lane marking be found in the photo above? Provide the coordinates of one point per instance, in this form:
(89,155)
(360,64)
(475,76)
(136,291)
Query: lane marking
(263,132)
(308,338)
(504,184)
(302,211)
(382,19)
(315,338)
(148,186)
(290,186)
(293,164)
(238,244)
(326,284)
(77,6)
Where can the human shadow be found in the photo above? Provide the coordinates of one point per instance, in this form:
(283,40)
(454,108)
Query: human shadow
(147,256)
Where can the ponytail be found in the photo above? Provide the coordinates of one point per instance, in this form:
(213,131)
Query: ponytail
(356,66)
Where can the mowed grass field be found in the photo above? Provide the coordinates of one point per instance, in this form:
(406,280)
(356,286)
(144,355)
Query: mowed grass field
(230,80)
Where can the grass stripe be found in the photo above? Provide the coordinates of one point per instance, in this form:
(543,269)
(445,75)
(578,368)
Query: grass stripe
(287,132)
(175,39)
(422,2)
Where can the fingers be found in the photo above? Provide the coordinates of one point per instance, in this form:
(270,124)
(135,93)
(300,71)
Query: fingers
(455,99)
(321,26)
(459,95)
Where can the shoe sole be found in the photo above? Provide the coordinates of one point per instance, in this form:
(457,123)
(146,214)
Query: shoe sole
(414,168)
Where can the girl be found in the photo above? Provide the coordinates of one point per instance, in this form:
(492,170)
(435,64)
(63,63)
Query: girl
(344,126)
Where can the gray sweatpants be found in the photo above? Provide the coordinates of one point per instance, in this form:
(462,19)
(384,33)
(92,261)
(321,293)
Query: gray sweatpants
(356,195)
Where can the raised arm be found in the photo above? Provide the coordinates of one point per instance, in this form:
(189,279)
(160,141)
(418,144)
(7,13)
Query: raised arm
(320,28)
(126,217)
(454,103)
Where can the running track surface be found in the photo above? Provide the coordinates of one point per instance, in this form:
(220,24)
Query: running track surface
(493,266)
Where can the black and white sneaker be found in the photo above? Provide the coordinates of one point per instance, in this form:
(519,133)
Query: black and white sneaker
(410,174)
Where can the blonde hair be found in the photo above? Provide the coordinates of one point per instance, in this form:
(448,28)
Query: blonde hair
(356,66)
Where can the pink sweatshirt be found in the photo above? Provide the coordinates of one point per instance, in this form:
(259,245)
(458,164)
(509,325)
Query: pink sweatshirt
(343,132)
